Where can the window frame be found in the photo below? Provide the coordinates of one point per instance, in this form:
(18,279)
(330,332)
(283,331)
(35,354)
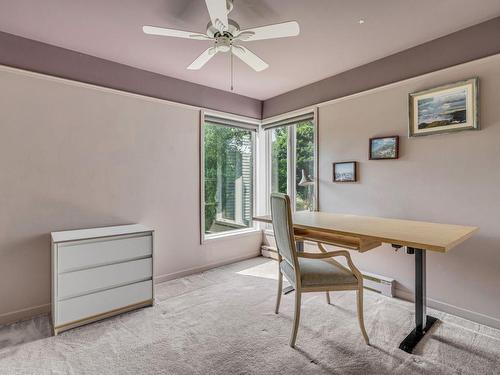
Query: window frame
(249,124)
(291,159)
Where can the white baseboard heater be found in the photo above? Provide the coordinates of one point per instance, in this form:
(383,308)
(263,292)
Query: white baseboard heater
(376,283)
(380,284)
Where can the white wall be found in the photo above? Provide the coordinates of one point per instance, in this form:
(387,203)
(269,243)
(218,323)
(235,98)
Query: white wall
(451,178)
(76,156)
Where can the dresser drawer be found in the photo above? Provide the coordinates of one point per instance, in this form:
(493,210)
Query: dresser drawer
(73,256)
(73,284)
(90,305)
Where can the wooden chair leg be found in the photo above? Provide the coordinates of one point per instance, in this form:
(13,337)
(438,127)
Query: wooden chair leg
(280,291)
(359,295)
(296,318)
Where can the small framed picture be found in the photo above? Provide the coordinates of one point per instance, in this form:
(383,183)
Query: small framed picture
(444,109)
(384,148)
(345,171)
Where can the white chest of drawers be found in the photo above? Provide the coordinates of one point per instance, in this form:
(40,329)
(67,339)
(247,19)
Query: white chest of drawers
(100,272)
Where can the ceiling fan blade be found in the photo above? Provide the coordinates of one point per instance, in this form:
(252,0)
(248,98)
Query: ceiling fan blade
(218,13)
(202,59)
(153,30)
(278,30)
(250,58)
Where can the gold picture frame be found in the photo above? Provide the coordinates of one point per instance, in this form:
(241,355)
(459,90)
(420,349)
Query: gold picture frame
(444,109)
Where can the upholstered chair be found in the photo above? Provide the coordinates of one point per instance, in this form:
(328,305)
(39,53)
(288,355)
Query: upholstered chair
(310,272)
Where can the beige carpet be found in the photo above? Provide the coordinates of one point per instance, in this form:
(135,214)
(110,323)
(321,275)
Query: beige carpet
(222,322)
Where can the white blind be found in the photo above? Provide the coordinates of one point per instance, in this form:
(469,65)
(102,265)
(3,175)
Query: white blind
(231,122)
(289,121)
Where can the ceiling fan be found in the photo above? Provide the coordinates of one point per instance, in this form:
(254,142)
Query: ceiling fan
(227,36)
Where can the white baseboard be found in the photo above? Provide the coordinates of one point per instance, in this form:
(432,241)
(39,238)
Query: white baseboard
(191,271)
(453,310)
(24,314)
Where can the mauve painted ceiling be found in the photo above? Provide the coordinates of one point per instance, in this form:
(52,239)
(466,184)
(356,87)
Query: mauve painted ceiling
(331,39)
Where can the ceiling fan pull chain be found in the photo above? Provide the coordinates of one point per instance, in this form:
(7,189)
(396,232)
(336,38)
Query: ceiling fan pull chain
(232,73)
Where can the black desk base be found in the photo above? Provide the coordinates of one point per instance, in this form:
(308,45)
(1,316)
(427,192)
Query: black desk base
(422,322)
(409,343)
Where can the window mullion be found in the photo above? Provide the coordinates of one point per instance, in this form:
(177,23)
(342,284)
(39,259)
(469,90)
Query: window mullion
(269,166)
(291,165)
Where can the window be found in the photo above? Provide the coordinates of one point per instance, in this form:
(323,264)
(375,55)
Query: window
(228,176)
(279,159)
(292,165)
(304,161)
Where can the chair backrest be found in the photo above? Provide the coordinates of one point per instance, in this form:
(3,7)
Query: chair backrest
(283,228)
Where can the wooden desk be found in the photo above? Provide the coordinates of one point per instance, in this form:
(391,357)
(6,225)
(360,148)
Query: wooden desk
(363,233)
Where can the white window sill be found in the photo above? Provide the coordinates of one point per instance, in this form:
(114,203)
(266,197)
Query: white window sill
(231,234)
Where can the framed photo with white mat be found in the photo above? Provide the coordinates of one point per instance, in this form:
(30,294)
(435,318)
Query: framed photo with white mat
(444,109)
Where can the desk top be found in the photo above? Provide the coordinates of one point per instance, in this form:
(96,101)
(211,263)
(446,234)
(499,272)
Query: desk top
(417,234)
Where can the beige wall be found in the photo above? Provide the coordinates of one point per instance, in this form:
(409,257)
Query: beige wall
(74,156)
(451,178)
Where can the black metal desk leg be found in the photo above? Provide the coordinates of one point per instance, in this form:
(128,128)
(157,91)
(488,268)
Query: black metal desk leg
(299,244)
(423,322)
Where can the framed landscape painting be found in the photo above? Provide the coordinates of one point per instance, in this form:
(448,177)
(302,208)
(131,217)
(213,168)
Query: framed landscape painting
(345,171)
(384,148)
(444,109)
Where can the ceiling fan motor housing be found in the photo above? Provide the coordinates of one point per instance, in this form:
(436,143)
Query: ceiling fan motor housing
(223,40)
(232,30)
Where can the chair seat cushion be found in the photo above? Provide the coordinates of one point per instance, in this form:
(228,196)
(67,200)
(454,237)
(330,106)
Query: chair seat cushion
(317,272)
